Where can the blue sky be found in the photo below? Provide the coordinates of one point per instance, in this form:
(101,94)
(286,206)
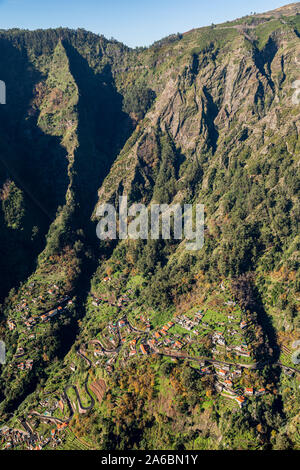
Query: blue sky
(134,22)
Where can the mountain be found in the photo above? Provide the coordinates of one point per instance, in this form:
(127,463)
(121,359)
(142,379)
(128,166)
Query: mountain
(142,344)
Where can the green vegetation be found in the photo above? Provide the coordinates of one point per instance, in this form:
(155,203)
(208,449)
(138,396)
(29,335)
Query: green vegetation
(141,344)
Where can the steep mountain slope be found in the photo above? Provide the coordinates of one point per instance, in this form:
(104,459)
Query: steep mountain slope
(211,117)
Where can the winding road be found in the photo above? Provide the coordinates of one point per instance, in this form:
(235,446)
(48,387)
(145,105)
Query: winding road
(82,408)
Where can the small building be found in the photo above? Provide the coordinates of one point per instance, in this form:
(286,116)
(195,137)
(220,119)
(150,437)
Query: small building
(132,352)
(228,383)
(11,325)
(241,401)
(29,364)
(98,352)
(142,348)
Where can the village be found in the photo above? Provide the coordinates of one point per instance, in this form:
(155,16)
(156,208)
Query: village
(167,343)
(225,358)
(28,317)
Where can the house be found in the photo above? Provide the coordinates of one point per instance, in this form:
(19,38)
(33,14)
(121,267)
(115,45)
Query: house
(52,313)
(222,372)
(221,341)
(98,352)
(29,364)
(228,383)
(178,344)
(241,401)
(142,348)
(260,392)
(249,391)
(61,426)
(132,352)
(243,325)
(11,325)
(157,335)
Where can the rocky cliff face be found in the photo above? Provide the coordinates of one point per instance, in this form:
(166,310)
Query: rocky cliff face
(223,107)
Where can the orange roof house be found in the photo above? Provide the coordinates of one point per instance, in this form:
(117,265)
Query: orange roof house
(240,400)
(142,348)
(132,352)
